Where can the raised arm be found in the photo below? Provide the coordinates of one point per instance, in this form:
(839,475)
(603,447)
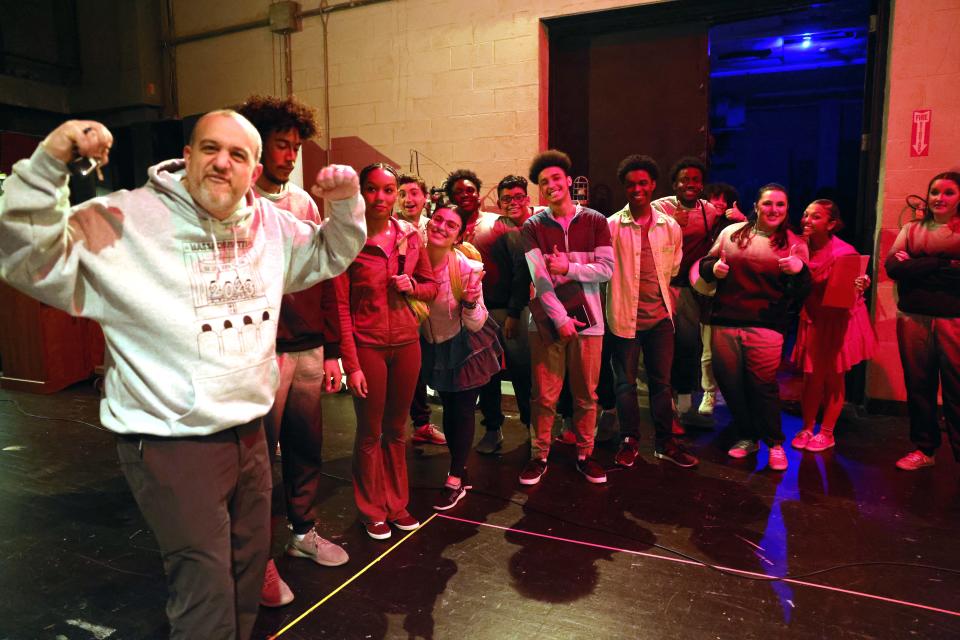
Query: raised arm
(40,240)
(320,252)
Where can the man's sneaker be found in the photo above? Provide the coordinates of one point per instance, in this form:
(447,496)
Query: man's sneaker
(675,453)
(274,592)
(490,442)
(566,437)
(592,471)
(915,460)
(743,448)
(820,442)
(449,498)
(429,434)
(318,549)
(377,530)
(707,403)
(778,458)
(532,473)
(802,439)
(406,522)
(627,455)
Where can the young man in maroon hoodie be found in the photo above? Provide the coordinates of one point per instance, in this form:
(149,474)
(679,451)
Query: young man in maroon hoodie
(307,347)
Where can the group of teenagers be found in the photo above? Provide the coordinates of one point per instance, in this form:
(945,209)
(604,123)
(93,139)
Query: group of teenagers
(397,293)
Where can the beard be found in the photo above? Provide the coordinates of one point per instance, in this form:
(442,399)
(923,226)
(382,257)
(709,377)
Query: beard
(218,202)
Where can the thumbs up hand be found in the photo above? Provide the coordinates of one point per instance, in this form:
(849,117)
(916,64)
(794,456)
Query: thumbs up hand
(792,264)
(720,267)
(734,214)
(557,263)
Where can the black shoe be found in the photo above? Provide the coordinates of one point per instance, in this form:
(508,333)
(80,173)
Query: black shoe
(491,442)
(592,471)
(449,498)
(675,453)
(628,453)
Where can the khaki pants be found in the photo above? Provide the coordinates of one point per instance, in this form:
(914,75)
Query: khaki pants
(580,358)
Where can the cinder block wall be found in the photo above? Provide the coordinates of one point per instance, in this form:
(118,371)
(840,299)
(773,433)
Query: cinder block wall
(456,80)
(460,82)
(923,73)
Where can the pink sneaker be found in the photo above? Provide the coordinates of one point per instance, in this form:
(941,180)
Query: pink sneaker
(778,458)
(820,442)
(274,592)
(801,439)
(915,460)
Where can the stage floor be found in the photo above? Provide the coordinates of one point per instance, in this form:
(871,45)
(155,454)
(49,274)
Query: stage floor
(657,552)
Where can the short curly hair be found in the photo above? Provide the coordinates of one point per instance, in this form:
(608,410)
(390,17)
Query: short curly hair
(269,114)
(408,178)
(638,162)
(549,158)
(460,174)
(688,162)
(511,182)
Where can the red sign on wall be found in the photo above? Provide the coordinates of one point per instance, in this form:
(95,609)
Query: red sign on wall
(920,133)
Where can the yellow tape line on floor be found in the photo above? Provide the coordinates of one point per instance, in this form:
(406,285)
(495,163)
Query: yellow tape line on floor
(351,579)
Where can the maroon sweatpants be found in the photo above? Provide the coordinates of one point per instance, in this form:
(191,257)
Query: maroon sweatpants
(380,485)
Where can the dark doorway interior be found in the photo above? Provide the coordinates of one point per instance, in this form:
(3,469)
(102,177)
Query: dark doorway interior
(787,103)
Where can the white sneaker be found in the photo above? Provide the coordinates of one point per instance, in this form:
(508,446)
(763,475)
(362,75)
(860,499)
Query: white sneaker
(778,458)
(707,403)
(318,549)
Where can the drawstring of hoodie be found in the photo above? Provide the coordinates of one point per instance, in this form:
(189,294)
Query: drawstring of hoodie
(216,246)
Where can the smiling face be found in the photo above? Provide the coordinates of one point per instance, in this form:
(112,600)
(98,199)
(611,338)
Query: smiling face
(466,196)
(639,187)
(513,203)
(379,193)
(771,210)
(221,162)
(816,222)
(554,185)
(412,201)
(688,186)
(943,198)
(444,228)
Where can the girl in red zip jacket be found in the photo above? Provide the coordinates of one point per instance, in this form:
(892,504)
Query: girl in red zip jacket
(380,347)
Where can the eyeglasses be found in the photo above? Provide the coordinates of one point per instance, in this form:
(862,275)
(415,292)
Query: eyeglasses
(514,198)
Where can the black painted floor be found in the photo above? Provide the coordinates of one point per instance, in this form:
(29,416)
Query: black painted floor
(564,559)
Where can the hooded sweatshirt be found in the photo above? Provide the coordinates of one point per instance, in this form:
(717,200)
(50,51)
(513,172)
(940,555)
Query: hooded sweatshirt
(308,319)
(188,303)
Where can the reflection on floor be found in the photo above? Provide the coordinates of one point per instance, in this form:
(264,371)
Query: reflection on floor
(564,559)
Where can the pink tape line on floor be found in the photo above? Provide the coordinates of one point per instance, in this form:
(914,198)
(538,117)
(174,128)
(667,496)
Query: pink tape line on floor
(804,583)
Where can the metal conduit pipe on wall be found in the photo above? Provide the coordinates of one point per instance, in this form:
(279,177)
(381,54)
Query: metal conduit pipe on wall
(323,12)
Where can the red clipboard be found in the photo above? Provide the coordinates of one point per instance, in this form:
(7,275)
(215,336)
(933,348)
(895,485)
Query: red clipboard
(841,291)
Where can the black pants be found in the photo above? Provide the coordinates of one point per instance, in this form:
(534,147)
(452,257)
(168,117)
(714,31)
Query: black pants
(459,419)
(657,346)
(420,407)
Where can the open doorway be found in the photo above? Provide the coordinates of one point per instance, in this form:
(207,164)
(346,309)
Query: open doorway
(787,103)
(773,90)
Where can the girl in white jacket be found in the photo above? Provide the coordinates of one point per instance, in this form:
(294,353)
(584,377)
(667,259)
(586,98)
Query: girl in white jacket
(460,348)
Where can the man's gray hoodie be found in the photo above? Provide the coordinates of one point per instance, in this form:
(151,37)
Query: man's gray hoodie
(188,303)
